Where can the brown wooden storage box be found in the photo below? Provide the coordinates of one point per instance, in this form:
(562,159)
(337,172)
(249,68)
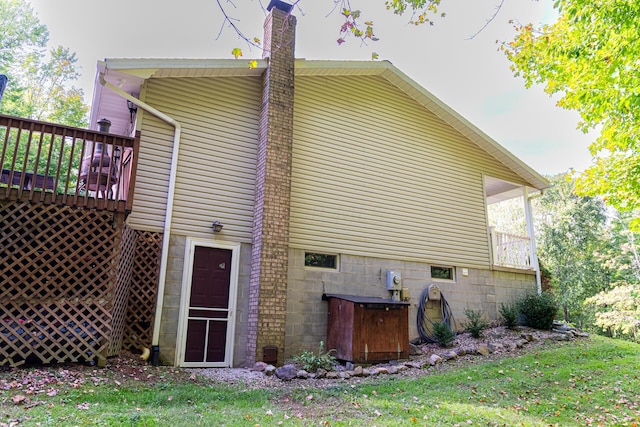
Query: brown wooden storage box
(367,329)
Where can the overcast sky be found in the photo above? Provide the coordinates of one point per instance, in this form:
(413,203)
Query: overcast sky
(471,76)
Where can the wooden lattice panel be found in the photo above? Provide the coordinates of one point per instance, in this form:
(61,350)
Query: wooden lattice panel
(123,282)
(144,290)
(57,282)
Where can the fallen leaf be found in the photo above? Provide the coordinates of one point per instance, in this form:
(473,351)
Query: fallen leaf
(18,399)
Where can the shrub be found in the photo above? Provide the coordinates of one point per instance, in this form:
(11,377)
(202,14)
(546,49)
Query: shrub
(476,323)
(538,311)
(510,314)
(443,334)
(311,362)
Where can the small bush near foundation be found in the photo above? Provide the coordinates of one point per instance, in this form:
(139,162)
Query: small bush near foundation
(538,311)
(443,334)
(476,323)
(311,362)
(510,315)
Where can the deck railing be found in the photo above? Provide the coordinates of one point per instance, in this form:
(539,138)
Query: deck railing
(510,250)
(50,163)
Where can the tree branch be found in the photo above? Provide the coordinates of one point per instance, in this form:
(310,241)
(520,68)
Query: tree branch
(488,21)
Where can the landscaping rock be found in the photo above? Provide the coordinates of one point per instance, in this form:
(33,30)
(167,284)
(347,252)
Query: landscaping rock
(451,354)
(495,347)
(381,370)
(483,349)
(414,350)
(415,364)
(286,372)
(528,337)
(561,336)
(302,374)
(497,341)
(260,366)
(521,343)
(460,351)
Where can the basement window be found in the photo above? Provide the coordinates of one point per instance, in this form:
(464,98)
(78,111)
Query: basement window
(442,273)
(317,260)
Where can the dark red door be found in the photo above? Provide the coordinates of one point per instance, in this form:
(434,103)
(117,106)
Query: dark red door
(209,312)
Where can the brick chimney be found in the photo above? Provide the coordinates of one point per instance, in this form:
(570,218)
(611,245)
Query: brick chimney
(270,251)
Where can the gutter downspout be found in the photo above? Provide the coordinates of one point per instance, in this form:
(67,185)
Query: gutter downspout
(155,347)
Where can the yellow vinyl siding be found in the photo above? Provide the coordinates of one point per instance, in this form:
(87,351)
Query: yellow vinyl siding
(216,166)
(376,174)
(152,176)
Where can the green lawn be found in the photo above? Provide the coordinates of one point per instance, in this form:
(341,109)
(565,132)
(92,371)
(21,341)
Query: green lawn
(593,381)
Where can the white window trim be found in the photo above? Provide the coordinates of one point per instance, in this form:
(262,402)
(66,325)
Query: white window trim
(453,271)
(311,267)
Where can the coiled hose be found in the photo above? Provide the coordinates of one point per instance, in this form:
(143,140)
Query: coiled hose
(425,323)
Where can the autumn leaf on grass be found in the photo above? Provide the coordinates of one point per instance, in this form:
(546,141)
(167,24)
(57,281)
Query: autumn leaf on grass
(19,398)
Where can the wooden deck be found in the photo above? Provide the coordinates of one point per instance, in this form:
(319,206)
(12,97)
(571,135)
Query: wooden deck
(55,164)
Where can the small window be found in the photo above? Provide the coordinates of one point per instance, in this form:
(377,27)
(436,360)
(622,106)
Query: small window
(312,259)
(443,273)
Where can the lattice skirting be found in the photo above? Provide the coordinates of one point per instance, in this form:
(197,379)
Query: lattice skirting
(143,290)
(59,293)
(123,280)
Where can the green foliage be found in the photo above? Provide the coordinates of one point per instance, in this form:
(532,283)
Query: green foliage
(476,322)
(538,311)
(311,361)
(443,334)
(574,245)
(589,57)
(21,32)
(422,11)
(510,314)
(618,310)
(40,85)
